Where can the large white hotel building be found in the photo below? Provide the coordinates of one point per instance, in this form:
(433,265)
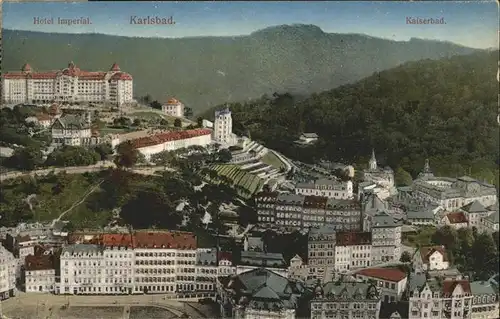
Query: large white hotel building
(67,85)
(142,262)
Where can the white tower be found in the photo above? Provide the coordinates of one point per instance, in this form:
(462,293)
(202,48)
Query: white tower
(223,127)
(373,162)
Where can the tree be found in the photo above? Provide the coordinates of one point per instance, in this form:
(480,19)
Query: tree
(405,257)
(188,112)
(155,105)
(137,122)
(446,236)
(26,158)
(224,156)
(127,155)
(199,121)
(402,177)
(104,150)
(484,256)
(163,122)
(72,156)
(177,123)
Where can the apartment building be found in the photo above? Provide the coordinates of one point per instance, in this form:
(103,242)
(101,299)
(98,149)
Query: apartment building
(300,212)
(40,272)
(345,300)
(321,253)
(353,250)
(8,265)
(326,188)
(142,262)
(386,238)
(391,282)
(436,298)
(259,293)
(485,303)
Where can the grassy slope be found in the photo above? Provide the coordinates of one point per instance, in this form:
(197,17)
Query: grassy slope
(206,71)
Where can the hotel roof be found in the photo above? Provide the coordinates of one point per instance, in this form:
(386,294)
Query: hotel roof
(73,71)
(388,274)
(353,238)
(42,262)
(169,136)
(169,240)
(457,218)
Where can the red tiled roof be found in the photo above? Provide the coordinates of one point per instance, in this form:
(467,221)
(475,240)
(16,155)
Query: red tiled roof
(43,262)
(172,101)
(426,252)
(457,218)
(224,255)
(97,76)
(450,285)
(173,240)
(121,76)
(353,238)
(169,136)
(43,117)
(388,274)
(117,240)
(71,70)
(315,202)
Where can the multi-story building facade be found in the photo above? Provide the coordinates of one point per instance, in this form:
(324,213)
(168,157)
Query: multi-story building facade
(451,193)
(386,238)
(430,258)
(353,250)
(391,282)
(68,85)
(8,265)
(142,262)
(259,293)
(223,127)
(449,298)
(485,303)
(346,300)
(170,141)
(490,224)
(173,107)
(326,188)
(475,212)
(74,130)
(40,272)
(321,253)
(295,211)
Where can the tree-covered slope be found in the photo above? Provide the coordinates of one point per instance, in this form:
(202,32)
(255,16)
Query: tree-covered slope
(206,71)
(442,109)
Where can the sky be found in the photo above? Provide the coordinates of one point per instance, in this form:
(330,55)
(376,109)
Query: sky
(474,24)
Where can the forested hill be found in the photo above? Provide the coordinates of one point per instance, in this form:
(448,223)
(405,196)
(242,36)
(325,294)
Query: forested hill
(442,109)
(205,71)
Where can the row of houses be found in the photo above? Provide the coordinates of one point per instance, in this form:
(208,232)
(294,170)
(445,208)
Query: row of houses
(261,293)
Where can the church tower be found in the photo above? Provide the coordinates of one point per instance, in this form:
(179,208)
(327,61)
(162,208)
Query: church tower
(426,172)
(373,162)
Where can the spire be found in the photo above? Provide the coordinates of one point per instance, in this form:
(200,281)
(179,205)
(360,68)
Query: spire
(426,171)
(26,68)
(115,67)
(373,161)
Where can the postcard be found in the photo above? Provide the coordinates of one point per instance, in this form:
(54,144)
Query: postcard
(249,159)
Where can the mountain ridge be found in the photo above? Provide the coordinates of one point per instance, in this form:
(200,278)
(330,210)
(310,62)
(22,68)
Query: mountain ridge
(206,71)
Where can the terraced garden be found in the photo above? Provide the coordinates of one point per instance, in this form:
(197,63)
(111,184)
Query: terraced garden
(246,184)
